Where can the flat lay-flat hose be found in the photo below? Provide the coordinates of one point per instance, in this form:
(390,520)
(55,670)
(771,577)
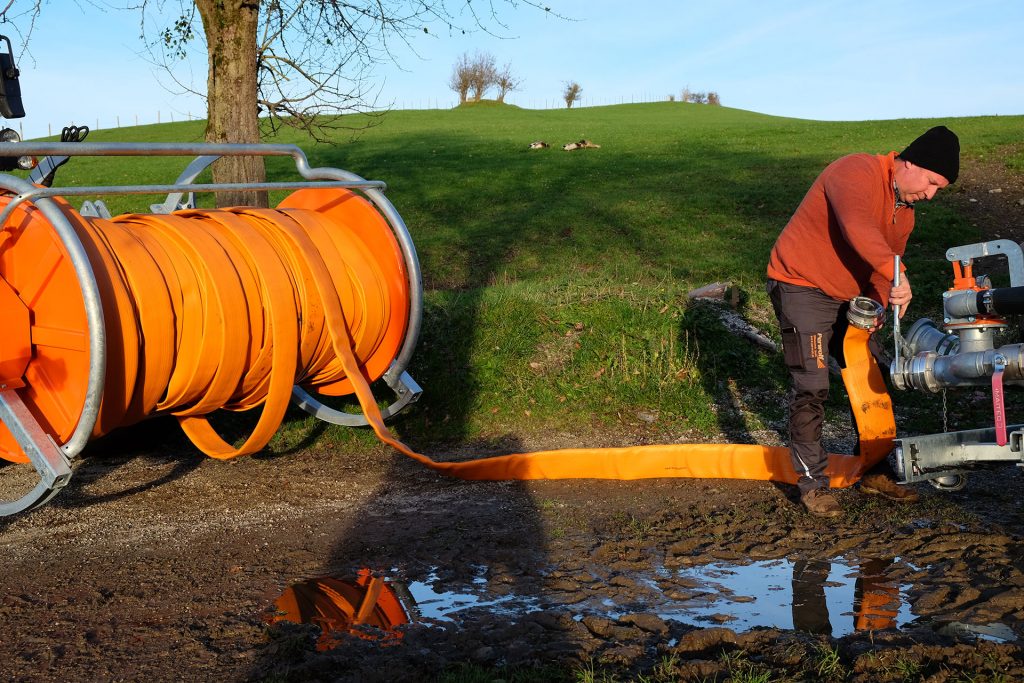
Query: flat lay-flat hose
(209,309)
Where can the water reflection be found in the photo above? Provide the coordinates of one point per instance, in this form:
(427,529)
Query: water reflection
(368,607)
(876,600)
(829,597)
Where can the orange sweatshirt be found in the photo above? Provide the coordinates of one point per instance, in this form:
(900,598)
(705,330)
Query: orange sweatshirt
(845,232)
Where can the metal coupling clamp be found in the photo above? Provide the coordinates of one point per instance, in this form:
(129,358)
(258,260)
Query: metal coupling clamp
(865,313)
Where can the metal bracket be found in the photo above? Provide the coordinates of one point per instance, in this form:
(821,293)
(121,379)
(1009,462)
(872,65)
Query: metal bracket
(95,209)
(1008,248)
(173,202)
(920,458)
(405,387)
(49,461)
(45,167)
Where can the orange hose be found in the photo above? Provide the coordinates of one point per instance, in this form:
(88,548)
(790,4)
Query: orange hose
(230,308)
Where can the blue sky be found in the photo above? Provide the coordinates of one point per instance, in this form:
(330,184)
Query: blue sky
(823,59)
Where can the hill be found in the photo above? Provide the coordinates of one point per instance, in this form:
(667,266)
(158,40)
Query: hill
(557,280)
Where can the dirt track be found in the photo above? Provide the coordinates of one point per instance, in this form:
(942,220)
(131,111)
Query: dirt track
(166,566)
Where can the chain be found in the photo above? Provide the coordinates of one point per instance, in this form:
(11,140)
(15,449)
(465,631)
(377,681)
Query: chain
(945,413)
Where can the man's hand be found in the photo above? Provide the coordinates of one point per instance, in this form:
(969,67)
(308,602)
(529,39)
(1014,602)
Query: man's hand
(901,295)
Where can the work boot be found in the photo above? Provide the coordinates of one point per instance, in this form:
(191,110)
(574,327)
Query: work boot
(881,485)
(821,502)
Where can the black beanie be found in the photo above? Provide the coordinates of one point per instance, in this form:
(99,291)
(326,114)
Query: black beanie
(937,150)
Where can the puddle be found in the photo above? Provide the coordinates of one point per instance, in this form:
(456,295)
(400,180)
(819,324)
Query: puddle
(432,605)
(832,597)
(817,596)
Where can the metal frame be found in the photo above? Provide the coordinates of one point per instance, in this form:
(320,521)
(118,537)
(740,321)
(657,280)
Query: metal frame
(1008,248)
(937,456)
(52,461)
(936,360)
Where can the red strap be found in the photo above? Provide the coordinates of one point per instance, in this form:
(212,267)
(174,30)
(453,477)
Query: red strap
(997,404)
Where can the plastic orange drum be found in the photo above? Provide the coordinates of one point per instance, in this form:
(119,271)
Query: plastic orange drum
(40,289)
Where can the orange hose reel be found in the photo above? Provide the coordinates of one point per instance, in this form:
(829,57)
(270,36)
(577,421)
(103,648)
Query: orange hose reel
(203,310)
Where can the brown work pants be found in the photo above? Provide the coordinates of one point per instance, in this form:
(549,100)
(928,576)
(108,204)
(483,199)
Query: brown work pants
(813,325)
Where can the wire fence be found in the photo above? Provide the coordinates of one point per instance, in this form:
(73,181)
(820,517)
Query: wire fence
(537,103)
(100,123)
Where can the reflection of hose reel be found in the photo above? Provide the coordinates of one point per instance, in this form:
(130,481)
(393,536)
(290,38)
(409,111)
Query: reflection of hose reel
(347,606)
(110,321)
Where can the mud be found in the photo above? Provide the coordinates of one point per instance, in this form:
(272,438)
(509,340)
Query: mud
(157,564)
(165,566)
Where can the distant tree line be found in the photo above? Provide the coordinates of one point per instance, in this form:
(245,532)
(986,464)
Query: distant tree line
(710,97)
(473,76)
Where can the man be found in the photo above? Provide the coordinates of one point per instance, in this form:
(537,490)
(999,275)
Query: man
(840,244)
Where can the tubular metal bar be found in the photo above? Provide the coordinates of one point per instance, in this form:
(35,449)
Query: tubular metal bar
(897,338)
(93,312)
(39,192)
(53,467)
(154,149)
(187,176)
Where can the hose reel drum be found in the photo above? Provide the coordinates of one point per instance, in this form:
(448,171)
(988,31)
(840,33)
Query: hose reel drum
(109,321)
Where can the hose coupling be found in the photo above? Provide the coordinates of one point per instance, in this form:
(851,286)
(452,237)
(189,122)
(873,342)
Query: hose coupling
(865,313)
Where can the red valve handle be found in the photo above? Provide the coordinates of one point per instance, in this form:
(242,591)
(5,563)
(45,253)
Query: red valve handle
(998,408)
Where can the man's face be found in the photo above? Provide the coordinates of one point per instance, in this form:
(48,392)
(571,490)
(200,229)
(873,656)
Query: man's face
(917,183)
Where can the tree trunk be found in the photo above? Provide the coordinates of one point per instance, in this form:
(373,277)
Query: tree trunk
(231,91)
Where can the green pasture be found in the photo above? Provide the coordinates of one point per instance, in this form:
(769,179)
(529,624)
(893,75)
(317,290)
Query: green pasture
(556,281)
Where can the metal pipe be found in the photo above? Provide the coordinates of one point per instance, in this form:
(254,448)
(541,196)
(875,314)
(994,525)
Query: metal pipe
(929,371)
(38,192)
(896,336)
(165,149)
(924,335)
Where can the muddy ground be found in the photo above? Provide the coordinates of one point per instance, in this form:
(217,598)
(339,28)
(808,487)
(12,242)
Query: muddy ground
(157,564)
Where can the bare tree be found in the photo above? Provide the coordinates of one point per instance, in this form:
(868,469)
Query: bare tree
(299,63)
(572,93)
(461,76)
(713,99)
(506,82)
(482,75)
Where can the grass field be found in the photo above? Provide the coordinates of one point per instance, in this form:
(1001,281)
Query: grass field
(556,282)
